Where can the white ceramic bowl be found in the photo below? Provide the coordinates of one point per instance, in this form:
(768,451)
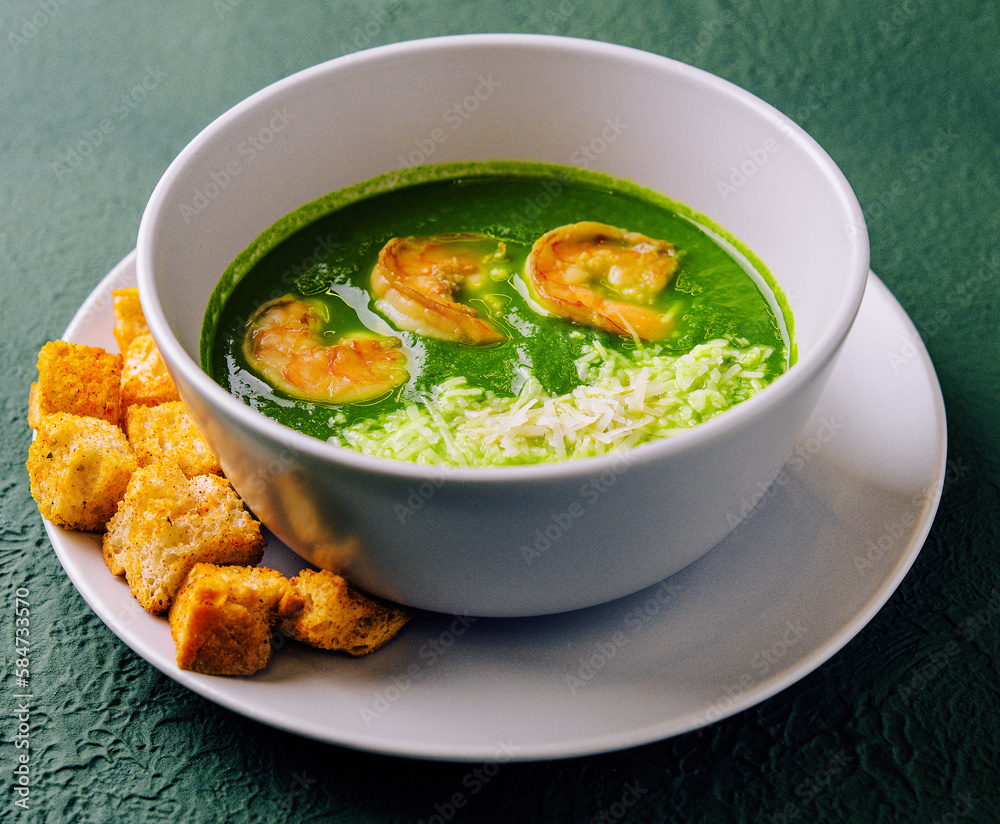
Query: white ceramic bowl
(506,541)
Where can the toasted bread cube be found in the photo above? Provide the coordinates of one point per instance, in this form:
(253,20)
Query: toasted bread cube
(223,617)
(166,523)
(130,322)
(78,379)
(34,405)
(79,468)
(167,432)
(336,616)
(145,378)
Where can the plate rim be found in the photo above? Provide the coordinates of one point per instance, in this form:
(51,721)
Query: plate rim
(218,690)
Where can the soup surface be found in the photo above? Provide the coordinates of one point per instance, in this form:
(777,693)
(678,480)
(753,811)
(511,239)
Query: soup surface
(450,341)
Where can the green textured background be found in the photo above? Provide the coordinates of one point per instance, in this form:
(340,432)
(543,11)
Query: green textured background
(904,95)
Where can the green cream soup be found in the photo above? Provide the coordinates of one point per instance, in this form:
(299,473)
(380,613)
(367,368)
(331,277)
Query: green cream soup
(549,387)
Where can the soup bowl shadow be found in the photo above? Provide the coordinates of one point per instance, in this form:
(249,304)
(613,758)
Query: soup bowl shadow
(506,541)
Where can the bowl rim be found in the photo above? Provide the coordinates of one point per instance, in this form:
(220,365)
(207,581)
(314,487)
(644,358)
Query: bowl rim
(806,367)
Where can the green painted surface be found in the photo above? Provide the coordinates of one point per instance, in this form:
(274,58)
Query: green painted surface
(96,98)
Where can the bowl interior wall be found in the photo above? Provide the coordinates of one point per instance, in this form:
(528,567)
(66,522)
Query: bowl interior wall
(661,124)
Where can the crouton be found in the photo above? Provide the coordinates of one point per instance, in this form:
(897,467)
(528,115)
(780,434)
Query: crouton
(223,617)
(77,379)
(34,405)
(167,432)
(166,523)
(79,468)
(335,616)
(145,378)
(130,322)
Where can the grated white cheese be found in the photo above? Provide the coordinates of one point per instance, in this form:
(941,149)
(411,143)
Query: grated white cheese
(625,400)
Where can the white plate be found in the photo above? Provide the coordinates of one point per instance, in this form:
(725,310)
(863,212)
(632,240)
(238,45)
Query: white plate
(821,552)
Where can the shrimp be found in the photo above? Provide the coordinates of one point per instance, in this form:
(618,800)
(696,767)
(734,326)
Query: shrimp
(566,263)
(284,344)
(415,281)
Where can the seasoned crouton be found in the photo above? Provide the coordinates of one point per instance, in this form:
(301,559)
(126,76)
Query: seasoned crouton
(78,379)
(223,617)
(145,378)
(34,405)
(130,322)
(79,468)
(167,432)
(338,617)
(166,523)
